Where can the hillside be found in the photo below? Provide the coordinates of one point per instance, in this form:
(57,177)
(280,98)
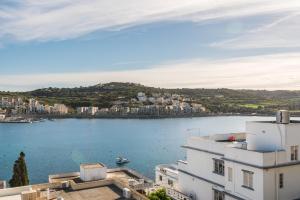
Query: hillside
(216,100)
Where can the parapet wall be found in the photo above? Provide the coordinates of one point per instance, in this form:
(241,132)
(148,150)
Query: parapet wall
(13,191)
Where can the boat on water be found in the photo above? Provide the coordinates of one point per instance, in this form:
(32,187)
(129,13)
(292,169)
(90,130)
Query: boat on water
(121,160)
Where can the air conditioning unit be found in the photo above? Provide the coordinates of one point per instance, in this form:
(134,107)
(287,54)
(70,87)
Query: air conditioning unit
(126,193)
(65,184)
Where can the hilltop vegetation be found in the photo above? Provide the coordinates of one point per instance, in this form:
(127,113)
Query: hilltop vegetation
(215,100)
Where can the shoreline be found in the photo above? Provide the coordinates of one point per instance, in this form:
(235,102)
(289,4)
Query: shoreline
(139,116)
(40,117)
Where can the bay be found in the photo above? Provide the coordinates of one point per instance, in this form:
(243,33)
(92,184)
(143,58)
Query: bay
(59,146)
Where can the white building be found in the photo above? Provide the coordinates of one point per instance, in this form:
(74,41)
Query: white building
(60,109)
(93,172)
(260,164)
(167,176)
(93,110)
(141,97)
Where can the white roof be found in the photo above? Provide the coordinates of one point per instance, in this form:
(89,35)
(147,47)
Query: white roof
(14,197)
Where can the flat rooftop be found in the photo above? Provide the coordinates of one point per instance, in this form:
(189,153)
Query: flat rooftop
(109,192)
(110,188)
(92,165)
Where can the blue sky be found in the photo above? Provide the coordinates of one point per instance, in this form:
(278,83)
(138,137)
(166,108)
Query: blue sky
(197,43)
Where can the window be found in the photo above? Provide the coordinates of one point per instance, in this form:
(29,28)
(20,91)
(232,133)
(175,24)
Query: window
(170,183)
(281,180)
(229,174)
(248,179)
(219,167)
(218,195)
(294,153)
(160,177)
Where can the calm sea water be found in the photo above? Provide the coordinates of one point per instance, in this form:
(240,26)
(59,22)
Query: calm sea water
(60,146)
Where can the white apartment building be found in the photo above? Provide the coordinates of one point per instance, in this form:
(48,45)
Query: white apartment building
(60,109)
(141,97)
(260,164)
(167,176)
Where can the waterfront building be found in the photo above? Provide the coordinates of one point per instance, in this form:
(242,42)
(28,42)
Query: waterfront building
(92,110)
(32,105)
(260,164)
(94,181)
(134,110)
(2,117)
(60,109)
(82,110)
(166,175)
(103,110)
(185,107)
(48,109)
(197,108)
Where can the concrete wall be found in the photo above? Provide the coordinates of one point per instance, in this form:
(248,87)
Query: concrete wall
(13,191)
(195,187)
(202,164)
(265,136)
(92,174)
(236,186)
(166,173)
(291,182)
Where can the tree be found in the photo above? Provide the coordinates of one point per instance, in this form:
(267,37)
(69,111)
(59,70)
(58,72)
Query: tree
(20,174)
(159,195)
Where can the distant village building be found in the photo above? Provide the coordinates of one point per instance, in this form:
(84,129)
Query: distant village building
(60,109)
(2,117)
(103,110)
(141,97)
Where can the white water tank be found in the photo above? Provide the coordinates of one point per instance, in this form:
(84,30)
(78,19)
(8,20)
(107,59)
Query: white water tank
(283,117)
(93,172)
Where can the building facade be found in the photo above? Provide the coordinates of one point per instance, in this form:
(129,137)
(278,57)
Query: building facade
(260,164)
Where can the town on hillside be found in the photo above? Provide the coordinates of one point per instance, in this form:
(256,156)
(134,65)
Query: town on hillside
(157,104)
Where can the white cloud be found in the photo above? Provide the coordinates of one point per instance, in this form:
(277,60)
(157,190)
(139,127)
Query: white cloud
(63,19)
(272,72)
(281,33)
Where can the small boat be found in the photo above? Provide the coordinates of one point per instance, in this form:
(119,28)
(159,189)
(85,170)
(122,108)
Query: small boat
(120,160)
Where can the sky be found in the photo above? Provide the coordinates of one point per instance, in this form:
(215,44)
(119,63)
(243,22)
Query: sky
(249,44)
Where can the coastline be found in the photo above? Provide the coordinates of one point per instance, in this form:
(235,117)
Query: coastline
(115,116)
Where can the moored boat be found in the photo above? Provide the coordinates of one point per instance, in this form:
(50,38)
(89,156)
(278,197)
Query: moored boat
(120,160)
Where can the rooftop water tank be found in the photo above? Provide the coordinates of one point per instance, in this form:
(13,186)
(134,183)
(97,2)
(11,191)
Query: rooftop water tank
(283,117)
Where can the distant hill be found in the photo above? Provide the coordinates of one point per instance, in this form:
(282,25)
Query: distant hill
(216,100)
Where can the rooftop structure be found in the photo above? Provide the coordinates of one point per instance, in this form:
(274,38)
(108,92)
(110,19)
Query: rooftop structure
(2,184)
(118,184)
(260,164)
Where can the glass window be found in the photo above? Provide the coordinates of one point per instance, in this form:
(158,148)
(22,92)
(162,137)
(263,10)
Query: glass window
(219,167)
(160,177)
(248,179)
(218,195)
(281,180)
(294,153)
(170,182)
(229,174)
